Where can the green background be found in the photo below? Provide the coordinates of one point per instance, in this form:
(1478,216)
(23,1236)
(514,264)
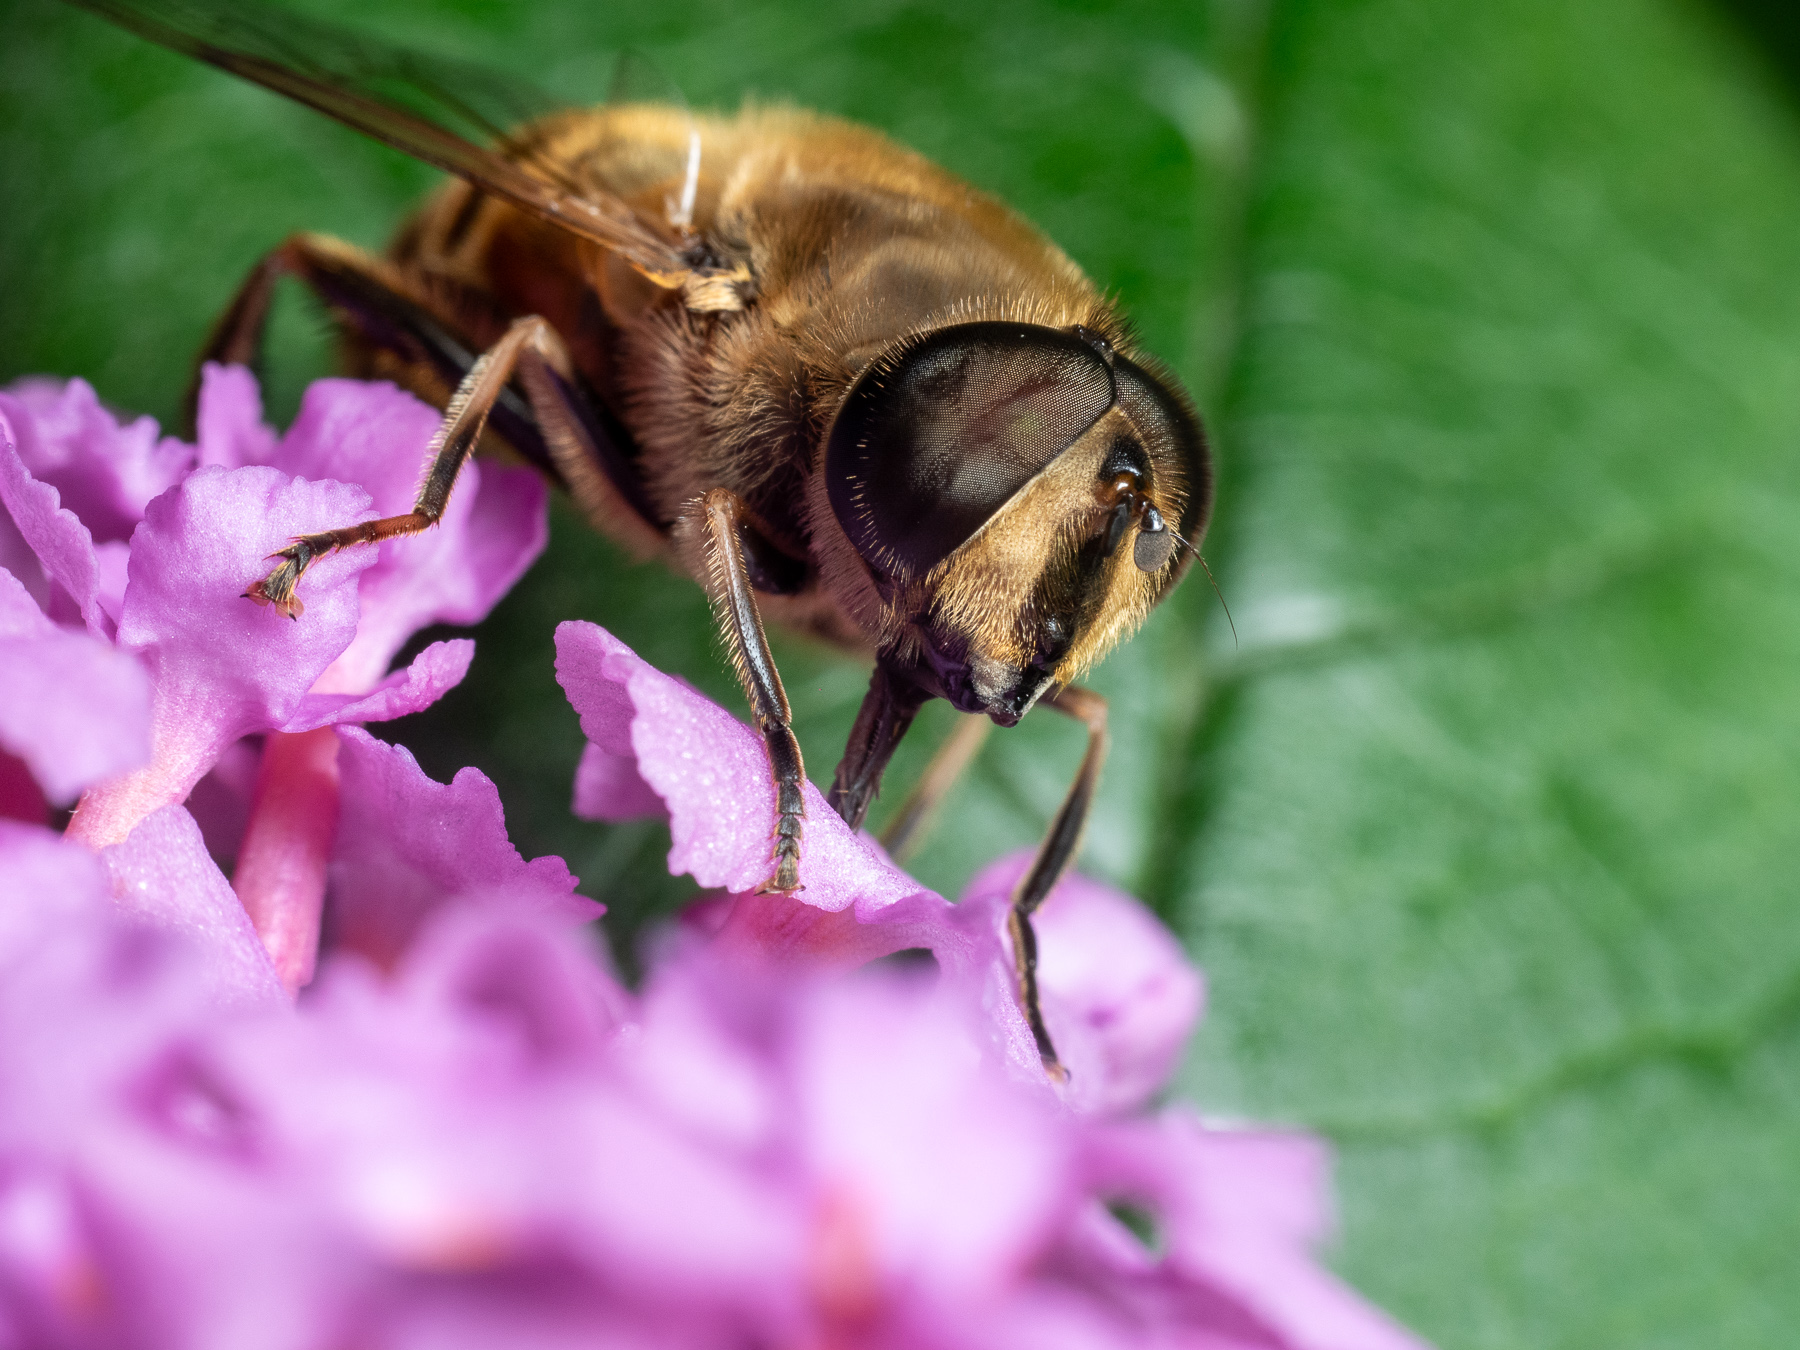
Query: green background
(1486,832)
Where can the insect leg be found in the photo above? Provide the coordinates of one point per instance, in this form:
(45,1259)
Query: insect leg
(450,449)
(957,752)
(418,337)
(237,334)
(719,515)
(887,711)
(1054,856)
(583,449)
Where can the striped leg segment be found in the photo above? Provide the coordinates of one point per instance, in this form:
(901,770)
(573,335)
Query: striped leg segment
(721,518)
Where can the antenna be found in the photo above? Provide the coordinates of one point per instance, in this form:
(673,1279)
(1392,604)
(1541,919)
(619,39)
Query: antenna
(1215,585)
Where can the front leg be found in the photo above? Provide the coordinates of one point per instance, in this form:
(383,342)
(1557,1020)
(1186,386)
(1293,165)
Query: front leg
(887,711)
(1053,858)
(720,516)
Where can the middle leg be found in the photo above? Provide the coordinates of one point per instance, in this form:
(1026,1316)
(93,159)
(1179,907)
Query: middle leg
(721,517)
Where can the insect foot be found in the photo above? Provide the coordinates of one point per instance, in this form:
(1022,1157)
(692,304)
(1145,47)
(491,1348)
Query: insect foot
(789,825)
(277,588)
(787,871)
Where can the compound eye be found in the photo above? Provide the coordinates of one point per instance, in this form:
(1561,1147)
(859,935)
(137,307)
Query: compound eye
(931,442)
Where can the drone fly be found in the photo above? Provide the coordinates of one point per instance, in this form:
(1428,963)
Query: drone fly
(833,383)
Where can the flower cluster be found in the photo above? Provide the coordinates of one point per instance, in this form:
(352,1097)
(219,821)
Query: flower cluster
(459,1129)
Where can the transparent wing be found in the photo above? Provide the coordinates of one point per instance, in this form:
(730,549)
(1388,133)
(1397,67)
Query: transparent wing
(459,117)
(638,79)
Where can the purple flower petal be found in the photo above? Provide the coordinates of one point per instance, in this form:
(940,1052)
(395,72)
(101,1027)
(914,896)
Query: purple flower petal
(713,774)
(44,1261)
(407,845)
(280,1251)
(19,558)
(433,673)
(942,1165)
(608,786)
(1240,1211)
(968,942)
(48,884)
(446,1150)
(106,471)
(229,422)
(76,709)
(494,526)
(223,666)
(112,571)
(1120,996)
(529,972)
(163,875)
(20,615)
(63,546)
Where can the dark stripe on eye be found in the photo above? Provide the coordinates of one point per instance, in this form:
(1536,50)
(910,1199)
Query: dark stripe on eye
(931,442)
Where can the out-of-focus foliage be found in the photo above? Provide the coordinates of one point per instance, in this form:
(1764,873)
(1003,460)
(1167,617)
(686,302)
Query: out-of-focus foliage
(1484,832)
(1498,803)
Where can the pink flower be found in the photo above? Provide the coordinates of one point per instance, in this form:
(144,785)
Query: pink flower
(197,535)
(465,1132)
(1118,994)
(496,1145)
(76,710)
(200,522)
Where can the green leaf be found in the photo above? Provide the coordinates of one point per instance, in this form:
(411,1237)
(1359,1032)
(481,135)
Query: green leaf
(1499,800)
(1482,834)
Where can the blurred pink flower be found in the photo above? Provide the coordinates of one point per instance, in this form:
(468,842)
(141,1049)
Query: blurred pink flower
(496,1145)
(76,710)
